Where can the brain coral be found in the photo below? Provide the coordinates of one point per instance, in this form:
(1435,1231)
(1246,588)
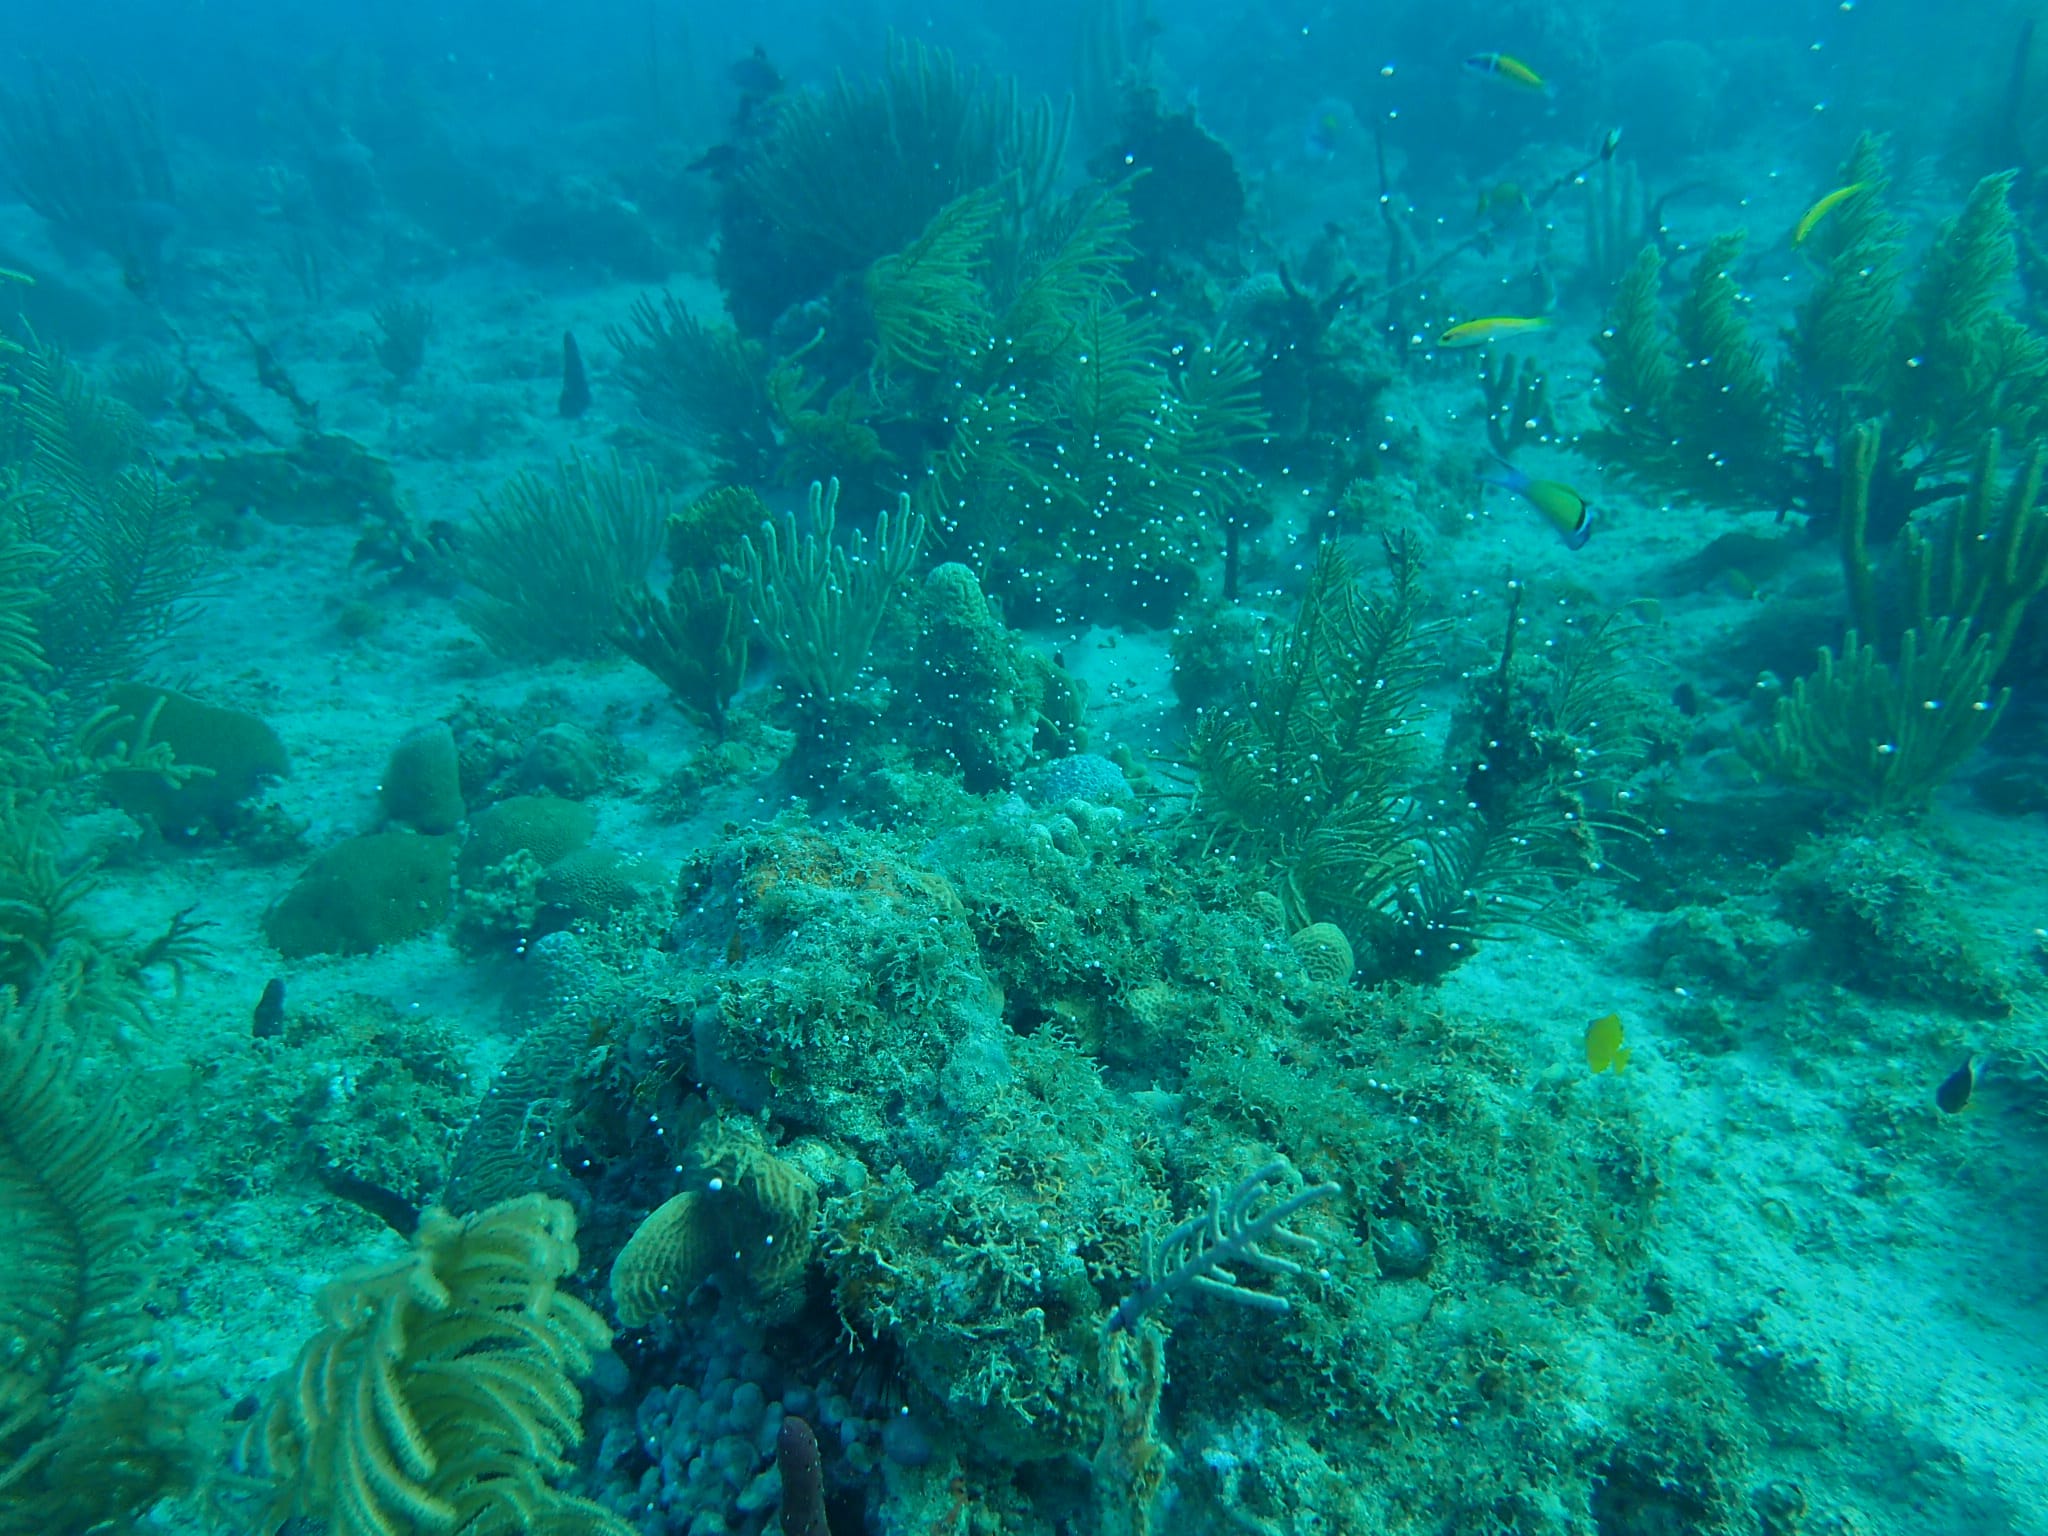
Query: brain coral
(1325,953)
(751,1213)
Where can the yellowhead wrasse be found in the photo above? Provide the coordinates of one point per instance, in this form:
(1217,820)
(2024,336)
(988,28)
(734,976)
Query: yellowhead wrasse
(1477,333)
(1506,67)
(1820,210)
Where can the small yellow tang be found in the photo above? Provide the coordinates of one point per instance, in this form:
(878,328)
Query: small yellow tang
(1604,1049)
(1820,210)
(1477,333)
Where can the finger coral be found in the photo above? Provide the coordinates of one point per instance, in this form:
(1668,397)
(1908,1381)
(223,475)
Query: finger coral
(440,1395)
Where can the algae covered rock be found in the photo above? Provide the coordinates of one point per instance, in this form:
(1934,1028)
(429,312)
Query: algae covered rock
(236,754)
(1888,923)
(564,760)
(365,893)
(423,782)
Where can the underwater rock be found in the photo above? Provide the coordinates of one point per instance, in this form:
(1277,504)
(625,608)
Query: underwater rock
(423,781)
(1886,924)
(980,706)
(238,753)
(364,893)
(1401,1248)
(1214,653)
(327,480)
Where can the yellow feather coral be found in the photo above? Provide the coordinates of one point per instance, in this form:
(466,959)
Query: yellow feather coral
(441,1395)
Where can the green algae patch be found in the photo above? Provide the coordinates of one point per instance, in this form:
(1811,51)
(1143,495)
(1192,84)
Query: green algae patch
(235,755)
(362,894)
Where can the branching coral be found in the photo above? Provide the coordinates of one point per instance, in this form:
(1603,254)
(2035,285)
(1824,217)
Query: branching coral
(92,162)
(553,561)
(1692,404)
(694,640)
(1077,444)
(1886,736)
(1197,1254)
(87,1437)
(705,384)
(440,1394)
(123,559)
(819,605)
(1312,772)
(852,173)
(1913,693)
(1318,776)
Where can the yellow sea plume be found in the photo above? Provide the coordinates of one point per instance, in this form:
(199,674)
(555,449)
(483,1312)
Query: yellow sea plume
(749,1213)
(441,1394)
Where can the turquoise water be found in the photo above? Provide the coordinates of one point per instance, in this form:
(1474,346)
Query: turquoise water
(1240,769)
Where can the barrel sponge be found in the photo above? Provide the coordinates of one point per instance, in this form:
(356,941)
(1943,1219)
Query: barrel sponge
(751,1215)
(540,825)
(235,754)
(423,781)
(363,894)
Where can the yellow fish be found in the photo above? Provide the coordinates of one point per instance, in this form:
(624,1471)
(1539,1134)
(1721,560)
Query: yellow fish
(1823,208)
(1504,66)
(1477,333)
(1603,1044)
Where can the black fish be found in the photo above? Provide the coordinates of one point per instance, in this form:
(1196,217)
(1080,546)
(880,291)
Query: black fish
(388,1206)
(715,161)
(575,382)
(268,1020)
(754,75)
(1956,1088)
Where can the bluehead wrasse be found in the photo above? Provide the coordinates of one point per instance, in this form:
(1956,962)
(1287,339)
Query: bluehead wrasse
(1604,1049)
(1823,208)
(1562,507)
(1477,333)
(1505,66)
(1955,1090)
